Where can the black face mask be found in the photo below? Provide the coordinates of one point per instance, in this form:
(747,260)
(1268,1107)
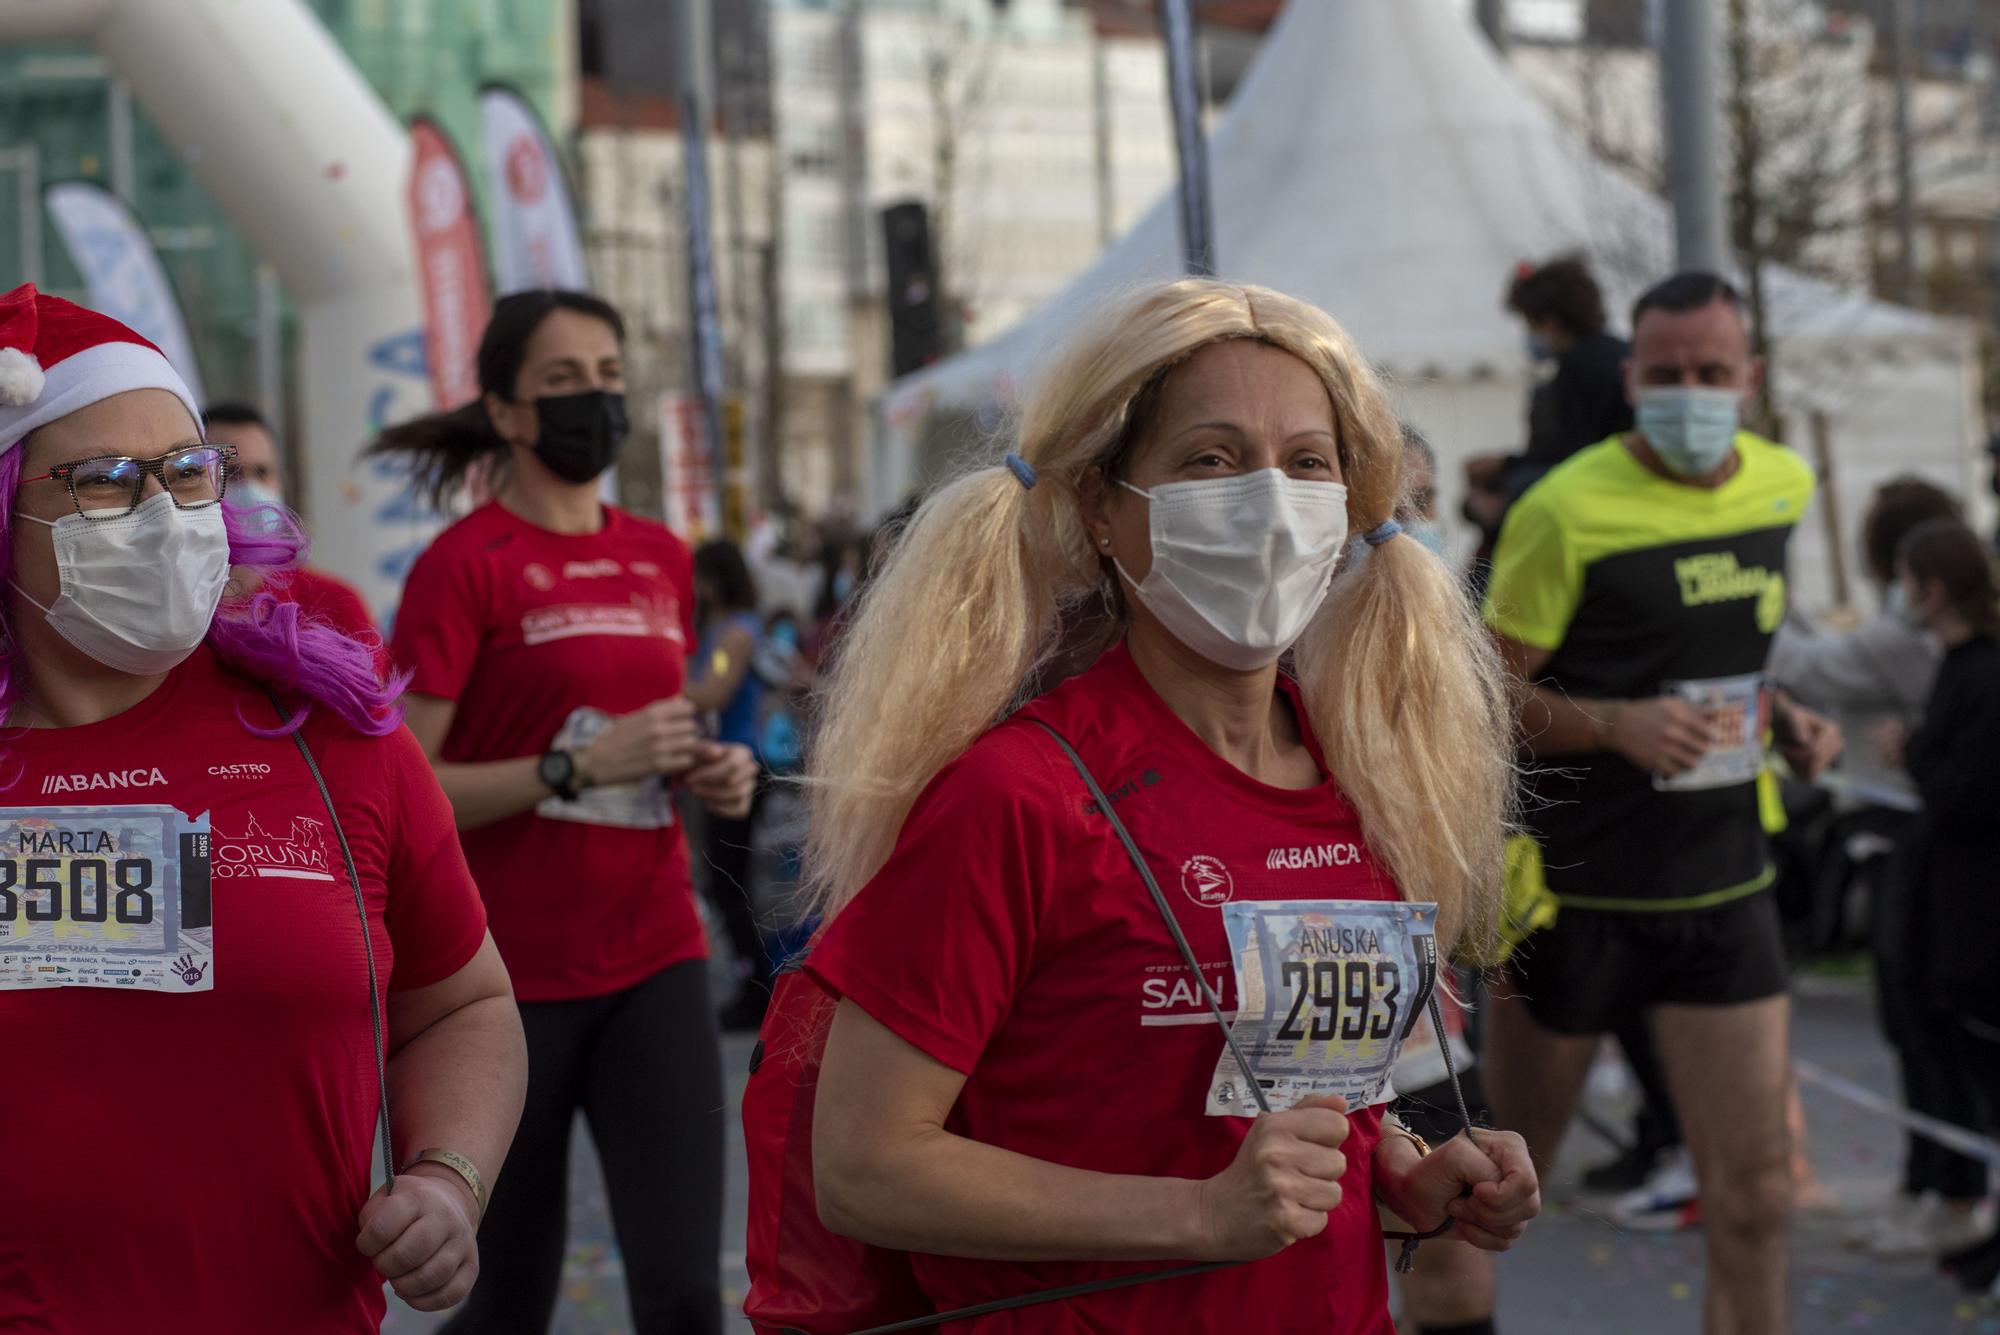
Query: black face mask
(580,433)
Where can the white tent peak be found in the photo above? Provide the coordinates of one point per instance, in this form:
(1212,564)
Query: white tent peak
(1380,161)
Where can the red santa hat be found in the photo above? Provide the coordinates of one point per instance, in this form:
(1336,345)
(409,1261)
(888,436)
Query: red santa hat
(57,357)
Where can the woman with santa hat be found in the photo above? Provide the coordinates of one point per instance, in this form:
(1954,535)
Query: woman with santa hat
(236,929)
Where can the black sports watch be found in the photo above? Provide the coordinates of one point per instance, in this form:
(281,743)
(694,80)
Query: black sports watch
(557,769)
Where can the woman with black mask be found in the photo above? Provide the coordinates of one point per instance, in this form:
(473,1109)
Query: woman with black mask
(546,635)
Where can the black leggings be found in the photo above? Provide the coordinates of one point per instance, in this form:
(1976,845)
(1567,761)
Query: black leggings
(729,848)
(1654,1127)
(646,1068)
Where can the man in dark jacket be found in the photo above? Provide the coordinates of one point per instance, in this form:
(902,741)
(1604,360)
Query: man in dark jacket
(1582,403)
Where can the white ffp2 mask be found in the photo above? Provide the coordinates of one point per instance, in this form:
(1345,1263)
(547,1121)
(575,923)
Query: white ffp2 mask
(1241,564)
(138,592)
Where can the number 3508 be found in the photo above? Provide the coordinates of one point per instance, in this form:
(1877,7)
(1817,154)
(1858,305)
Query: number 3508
(95,890)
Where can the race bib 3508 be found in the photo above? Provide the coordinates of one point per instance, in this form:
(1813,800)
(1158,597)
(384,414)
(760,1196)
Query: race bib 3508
(111,896)
(1326,993)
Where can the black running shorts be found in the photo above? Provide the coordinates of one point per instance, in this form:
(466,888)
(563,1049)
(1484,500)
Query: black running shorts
(1432,1112)
(1596,968)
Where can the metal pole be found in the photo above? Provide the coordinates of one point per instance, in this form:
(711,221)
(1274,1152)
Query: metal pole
(1692,114)
(1902,51)
(704,323)
(26,161)
(1197,217)
(1829,506)
(118,117)
(270,351)
(1100,116)
(853,152)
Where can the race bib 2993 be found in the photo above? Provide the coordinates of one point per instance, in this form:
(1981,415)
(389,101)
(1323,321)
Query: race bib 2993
(1326,993)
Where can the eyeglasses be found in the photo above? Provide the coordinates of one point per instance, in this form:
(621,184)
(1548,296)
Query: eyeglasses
(110,487)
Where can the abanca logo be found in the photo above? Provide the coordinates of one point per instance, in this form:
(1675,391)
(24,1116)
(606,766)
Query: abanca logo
(90,783)
(1313,855)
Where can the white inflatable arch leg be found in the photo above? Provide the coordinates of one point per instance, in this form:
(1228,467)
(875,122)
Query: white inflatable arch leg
(309,165)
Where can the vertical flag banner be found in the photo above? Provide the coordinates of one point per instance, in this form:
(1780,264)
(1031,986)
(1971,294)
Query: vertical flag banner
(687,473)
(705,319)
(536,242)
(122,271)
(1197,228)
(451,265)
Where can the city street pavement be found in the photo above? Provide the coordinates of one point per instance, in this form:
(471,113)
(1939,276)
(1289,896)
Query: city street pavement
(1576,1274)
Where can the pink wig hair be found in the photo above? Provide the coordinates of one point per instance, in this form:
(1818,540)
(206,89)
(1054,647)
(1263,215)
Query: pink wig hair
(263,636)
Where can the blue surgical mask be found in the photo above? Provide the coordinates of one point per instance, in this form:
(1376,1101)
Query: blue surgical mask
(1691,427)
(1539,349)
(263,509)
(1896,603)
(1429,534)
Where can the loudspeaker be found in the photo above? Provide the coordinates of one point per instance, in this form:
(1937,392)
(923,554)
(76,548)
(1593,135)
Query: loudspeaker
(915,330)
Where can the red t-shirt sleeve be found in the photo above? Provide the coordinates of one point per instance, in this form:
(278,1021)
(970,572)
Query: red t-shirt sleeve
(324,598)
(438,627)
(435,917)
(333,601)
(938,944)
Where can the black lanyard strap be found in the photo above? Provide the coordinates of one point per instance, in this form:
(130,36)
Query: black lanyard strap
(1166,913)
(298,735)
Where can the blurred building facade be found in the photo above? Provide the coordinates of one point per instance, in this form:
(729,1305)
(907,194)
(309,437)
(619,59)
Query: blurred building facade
(1822,194)
(1030,132)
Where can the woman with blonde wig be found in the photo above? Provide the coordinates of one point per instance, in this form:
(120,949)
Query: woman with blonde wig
(1023,1082)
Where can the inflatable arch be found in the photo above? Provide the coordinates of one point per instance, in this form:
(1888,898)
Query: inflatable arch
(309,165)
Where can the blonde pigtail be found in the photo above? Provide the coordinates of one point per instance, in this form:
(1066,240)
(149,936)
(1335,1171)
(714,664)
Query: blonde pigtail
(1410,702)
(960,615)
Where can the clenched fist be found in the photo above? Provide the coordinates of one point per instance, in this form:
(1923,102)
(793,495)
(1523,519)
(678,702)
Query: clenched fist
(1284,1181)
(423,1238)
(724,778)
(658,739)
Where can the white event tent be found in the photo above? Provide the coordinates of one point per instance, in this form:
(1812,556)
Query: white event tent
(1381,161)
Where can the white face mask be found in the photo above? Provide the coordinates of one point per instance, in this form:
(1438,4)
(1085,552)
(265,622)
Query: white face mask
(138,592)
(1241,564)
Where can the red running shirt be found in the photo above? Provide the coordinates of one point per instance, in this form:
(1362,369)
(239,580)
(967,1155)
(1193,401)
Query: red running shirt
(1009,938)
(198,1163)
(332,600)
(520,628)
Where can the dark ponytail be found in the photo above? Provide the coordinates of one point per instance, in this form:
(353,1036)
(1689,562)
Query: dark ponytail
(442,448)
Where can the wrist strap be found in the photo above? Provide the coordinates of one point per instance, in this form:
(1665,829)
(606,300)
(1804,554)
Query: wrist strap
(459,1164)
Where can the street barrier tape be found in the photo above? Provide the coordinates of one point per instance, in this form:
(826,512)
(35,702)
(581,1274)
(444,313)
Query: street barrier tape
(1968,1143)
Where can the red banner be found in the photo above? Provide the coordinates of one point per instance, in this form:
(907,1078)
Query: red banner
(451,265)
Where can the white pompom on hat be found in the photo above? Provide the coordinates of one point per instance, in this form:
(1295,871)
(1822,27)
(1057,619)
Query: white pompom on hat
(57,357)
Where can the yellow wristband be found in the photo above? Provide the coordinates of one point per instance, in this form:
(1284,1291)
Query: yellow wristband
(459,1164)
